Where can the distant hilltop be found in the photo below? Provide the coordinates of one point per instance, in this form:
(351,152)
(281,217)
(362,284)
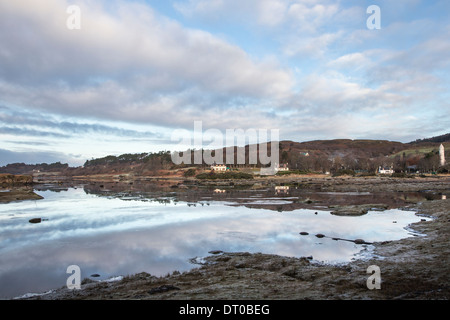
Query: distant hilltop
(323,156)
(438,139)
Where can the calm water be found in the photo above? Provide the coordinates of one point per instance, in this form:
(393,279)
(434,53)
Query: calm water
(120,234)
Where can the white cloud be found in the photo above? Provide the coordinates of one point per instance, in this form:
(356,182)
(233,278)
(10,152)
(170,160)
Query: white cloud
(354,61)
(311,47)
(138,56)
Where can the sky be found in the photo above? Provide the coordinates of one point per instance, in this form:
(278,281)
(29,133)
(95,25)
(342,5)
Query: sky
(122,76)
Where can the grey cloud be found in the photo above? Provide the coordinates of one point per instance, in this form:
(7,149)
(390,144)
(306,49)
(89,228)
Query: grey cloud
(31,132)
(23,118)
(133,40)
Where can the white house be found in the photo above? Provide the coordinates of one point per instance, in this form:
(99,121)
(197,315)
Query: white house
(385,170)
(282,167)
(219,167)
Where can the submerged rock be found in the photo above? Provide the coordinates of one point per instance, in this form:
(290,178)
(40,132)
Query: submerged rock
(357,210)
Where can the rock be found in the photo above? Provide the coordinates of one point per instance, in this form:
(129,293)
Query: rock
(35,220)
(319,235)
(357,210)
(360,241)
(241,265)
(163,288)
(350,211)
(304,233)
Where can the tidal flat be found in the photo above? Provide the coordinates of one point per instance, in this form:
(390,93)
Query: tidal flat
(413,266)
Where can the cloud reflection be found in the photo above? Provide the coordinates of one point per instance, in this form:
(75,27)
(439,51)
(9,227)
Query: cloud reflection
(112,237)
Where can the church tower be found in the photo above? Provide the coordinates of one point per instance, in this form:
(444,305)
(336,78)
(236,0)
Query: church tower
(441,155)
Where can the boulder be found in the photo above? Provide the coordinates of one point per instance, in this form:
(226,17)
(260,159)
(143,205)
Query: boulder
(357,210)
(163,288)
(360,241)
(35,220)
(215,252)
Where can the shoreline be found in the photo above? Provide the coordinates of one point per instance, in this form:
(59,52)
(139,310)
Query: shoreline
(411,268)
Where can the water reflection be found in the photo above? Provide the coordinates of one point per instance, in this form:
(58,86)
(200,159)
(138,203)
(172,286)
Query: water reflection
(128,230)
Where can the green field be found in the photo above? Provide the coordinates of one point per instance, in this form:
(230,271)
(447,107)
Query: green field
(420,150)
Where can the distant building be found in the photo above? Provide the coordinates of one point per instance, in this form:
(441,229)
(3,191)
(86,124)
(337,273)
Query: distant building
(441,155)
(282,167)
(412,169)
(385,170)
(219,167)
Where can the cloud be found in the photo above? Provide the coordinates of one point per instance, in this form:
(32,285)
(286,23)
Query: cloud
(308,67)
(310,47)
(25,122)
(129,62)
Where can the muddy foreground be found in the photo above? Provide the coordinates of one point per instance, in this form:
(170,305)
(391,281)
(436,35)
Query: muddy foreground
(412,268)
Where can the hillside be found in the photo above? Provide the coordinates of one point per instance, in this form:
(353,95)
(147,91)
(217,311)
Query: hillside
(309,156)
(437,139)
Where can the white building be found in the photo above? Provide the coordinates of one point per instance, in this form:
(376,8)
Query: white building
(282,167)
(385,170)
(219,167)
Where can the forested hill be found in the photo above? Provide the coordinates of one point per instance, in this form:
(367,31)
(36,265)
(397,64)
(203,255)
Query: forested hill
(438,139)
(319,155)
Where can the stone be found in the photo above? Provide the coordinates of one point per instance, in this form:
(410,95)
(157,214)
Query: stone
(163,288)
